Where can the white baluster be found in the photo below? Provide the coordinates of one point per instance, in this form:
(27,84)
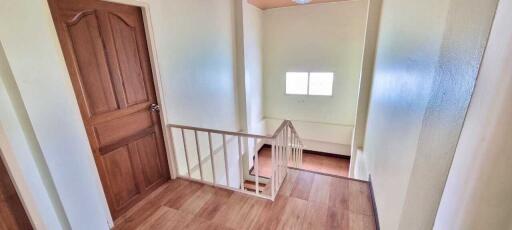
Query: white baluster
(186,152)
(295,153)
(256,165)
(279,155)
(283,162)
(287,147)
(301,153)
(211,156)
(199,155)
(240,163)
(274,168)
(225,158)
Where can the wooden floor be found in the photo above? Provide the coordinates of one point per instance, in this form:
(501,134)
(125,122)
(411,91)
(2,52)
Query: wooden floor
(12,213)
(306,201)
(312,162)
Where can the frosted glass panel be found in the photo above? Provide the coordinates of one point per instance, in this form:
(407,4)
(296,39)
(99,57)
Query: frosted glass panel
(297,83)
(321,83)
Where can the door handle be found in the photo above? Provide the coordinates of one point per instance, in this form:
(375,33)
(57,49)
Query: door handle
(154,108)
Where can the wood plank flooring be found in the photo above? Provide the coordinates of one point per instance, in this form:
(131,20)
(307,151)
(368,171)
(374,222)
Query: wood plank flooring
(306,201)
(312,162)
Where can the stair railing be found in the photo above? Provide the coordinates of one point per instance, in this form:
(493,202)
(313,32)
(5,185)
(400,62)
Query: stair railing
(222,158)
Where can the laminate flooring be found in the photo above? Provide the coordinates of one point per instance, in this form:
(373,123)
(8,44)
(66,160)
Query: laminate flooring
(306,200)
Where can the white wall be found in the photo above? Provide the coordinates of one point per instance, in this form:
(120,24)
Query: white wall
(253,57)
(39,71)
(22,156)
(252,26)
(319,37)
(195,41)
(196,53)
(428,55)
(196,48)
(477,192)
(358,160)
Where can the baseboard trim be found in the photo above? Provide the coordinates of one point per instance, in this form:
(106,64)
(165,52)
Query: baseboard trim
(374,204)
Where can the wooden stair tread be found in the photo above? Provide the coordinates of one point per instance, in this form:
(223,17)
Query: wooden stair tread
(251,186)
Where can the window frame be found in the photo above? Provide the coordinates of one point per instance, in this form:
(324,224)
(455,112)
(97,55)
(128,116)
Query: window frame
(308,83)
(286,84)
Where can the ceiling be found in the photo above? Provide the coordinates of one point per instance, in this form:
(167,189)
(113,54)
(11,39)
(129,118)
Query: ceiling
(269,4)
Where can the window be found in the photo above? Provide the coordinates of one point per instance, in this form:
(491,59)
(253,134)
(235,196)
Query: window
(314,83)
(321,84)
(297,83)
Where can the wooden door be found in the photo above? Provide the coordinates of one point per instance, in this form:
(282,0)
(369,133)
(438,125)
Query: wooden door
(12,213)
(106,53)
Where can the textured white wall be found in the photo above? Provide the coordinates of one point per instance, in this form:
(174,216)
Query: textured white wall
(477,193)
(427,61)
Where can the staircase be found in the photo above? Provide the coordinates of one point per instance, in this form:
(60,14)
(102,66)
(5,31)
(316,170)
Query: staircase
(223,158)
(251,186)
